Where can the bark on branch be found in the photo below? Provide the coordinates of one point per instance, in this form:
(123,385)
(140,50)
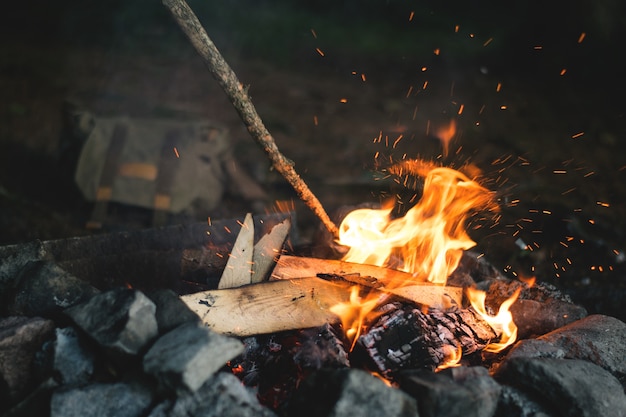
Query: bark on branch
(238,96)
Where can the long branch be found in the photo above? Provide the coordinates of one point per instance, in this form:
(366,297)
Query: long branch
(238,96)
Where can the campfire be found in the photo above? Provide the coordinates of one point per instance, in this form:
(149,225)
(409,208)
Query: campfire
(234,318)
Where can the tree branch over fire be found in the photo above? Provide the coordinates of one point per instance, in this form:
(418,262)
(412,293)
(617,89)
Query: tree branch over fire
(238,96)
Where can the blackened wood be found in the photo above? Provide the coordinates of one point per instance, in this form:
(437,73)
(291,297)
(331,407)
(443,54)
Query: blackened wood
(404,337)
(238,95)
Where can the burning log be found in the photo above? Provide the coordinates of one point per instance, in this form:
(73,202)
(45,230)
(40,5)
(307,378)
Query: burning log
(384,279)
(405,337)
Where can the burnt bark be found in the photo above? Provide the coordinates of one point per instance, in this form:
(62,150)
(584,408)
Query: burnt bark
(404,337)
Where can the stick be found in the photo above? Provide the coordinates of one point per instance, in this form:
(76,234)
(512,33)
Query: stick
(238,96)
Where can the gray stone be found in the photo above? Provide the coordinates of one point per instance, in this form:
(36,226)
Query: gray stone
(515,403)
(101,400)
(347,393)
(223,395)
(188,355)
(122,320)
(535,348)
(73,363)
(44,289)
(462,391)
(171,311)
(14,257)
(36,403)
(598,339)
(20,339)
(574,387)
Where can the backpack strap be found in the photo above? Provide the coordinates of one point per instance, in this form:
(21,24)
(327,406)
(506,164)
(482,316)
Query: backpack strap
(107,177)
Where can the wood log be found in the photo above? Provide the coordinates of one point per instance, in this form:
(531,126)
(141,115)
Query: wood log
(238,270)
(405,337)
(267,251)
(384,279)
(270,306)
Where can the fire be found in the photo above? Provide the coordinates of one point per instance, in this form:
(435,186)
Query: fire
(452,358)
(501,322)
(353,314)
(430,239)
(428,242)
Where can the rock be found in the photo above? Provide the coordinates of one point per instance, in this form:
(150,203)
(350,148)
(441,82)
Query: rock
(20,339)
(14,257)
(101,400)
(462,391)
(568,387)
(171,311)
(44,289)
(36,403)
(538,317)
(347,393)
(188,355)
(222,395)
(73,363)
(598,339)
(515,403)
(121,320)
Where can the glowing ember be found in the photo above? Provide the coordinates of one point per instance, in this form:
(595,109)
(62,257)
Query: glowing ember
(501,322)
(430,239)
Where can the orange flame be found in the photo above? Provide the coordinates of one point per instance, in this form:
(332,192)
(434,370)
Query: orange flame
(429,240)
(452,357)
(502,322)
(446,133)
(353,314)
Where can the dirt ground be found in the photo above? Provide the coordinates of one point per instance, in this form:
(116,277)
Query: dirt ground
(545,129)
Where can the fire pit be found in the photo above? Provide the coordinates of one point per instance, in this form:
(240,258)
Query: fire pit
(94,318)
(234,318)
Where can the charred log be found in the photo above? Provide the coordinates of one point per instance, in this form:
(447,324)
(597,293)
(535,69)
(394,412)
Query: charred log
(404,337)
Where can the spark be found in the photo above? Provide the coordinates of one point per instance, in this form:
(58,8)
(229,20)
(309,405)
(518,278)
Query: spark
(437,51)
(461,109)
(396,141)
(563,71)
(343,100)
(498,87)
(581,37)
(313,33)
(538,47)
(319,51)
(408,93)
(559,171)
(424,85)
(176,152)
(603,204)
(456,29)
(424,69)
(503,107)
(488,41)
(315,121)
(363,77)
(577,135)
(568,191)
(411,15)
